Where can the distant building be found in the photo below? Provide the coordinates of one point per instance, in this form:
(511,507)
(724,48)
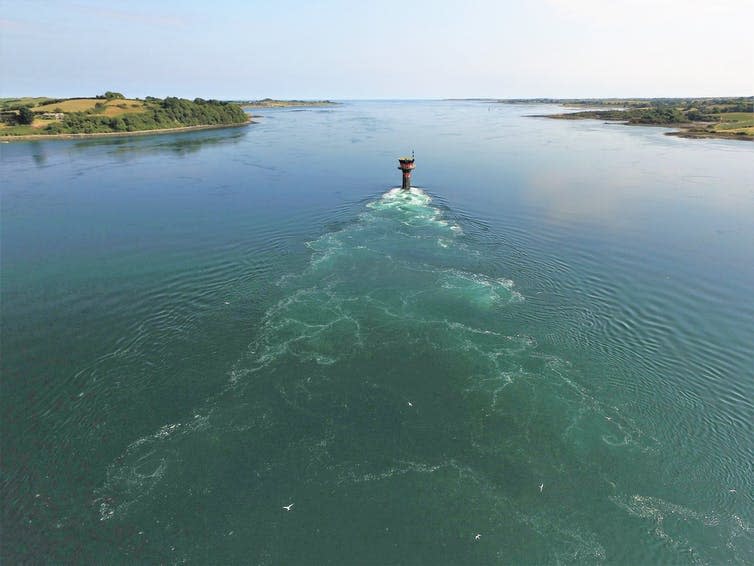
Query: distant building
(53,116)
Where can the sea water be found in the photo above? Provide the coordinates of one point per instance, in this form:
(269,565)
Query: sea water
(541,353)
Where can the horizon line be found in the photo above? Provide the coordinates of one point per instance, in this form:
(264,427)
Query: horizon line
(418,99)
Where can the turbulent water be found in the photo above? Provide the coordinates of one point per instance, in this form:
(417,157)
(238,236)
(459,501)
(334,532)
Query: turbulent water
(200,331)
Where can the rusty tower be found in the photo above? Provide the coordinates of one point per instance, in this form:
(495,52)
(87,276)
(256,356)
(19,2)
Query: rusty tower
(407,166)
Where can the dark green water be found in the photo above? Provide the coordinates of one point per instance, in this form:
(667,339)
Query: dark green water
(549,344)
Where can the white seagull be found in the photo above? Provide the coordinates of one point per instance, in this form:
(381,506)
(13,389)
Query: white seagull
(477,537)
(541,487)
(288,507)
(410,404)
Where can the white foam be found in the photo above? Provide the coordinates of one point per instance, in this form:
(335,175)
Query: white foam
(488,289)
(414,195)
(656,510)
(415,203)
(403,467)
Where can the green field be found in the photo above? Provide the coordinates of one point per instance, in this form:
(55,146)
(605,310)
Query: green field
(736,121)
(112,113)
(13,103)
(6,130)
(106,107)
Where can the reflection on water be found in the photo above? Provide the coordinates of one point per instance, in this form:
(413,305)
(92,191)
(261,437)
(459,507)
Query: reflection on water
(179,144)
(38,154)
(578,189)
(127,148)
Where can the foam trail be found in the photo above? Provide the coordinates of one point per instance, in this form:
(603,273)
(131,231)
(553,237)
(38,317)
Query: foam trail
(379,284)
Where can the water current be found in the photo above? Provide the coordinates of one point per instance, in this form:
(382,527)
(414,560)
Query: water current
(538,357)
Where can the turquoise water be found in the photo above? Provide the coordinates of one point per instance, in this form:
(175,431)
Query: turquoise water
(547,343)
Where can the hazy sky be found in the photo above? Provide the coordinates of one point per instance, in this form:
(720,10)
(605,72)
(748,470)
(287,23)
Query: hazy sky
(377,49)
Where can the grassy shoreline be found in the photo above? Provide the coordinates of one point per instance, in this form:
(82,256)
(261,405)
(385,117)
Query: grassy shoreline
(48,137)
(688,130)
(694,118)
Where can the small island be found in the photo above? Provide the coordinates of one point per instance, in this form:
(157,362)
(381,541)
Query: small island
(722,118)
(272,103)
(112,114)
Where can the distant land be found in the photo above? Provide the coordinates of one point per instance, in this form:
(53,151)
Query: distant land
(272,103)
(112,114)
(721,117)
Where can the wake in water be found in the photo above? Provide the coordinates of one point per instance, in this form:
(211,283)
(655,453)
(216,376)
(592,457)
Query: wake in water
(387,395)
(377,282)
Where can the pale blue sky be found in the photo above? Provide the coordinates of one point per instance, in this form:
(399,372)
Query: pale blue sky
(380,49)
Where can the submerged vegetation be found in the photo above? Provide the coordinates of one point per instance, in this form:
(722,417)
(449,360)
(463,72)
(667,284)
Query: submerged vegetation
(112,113)
(730,118)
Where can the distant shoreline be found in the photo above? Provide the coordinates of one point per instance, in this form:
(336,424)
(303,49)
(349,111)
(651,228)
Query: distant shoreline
(48,137)
(728,118)
(271,103)
(686,130)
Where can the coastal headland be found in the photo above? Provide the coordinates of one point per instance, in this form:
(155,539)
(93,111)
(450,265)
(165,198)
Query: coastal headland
(721,117)
(273,103)
(112,114)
